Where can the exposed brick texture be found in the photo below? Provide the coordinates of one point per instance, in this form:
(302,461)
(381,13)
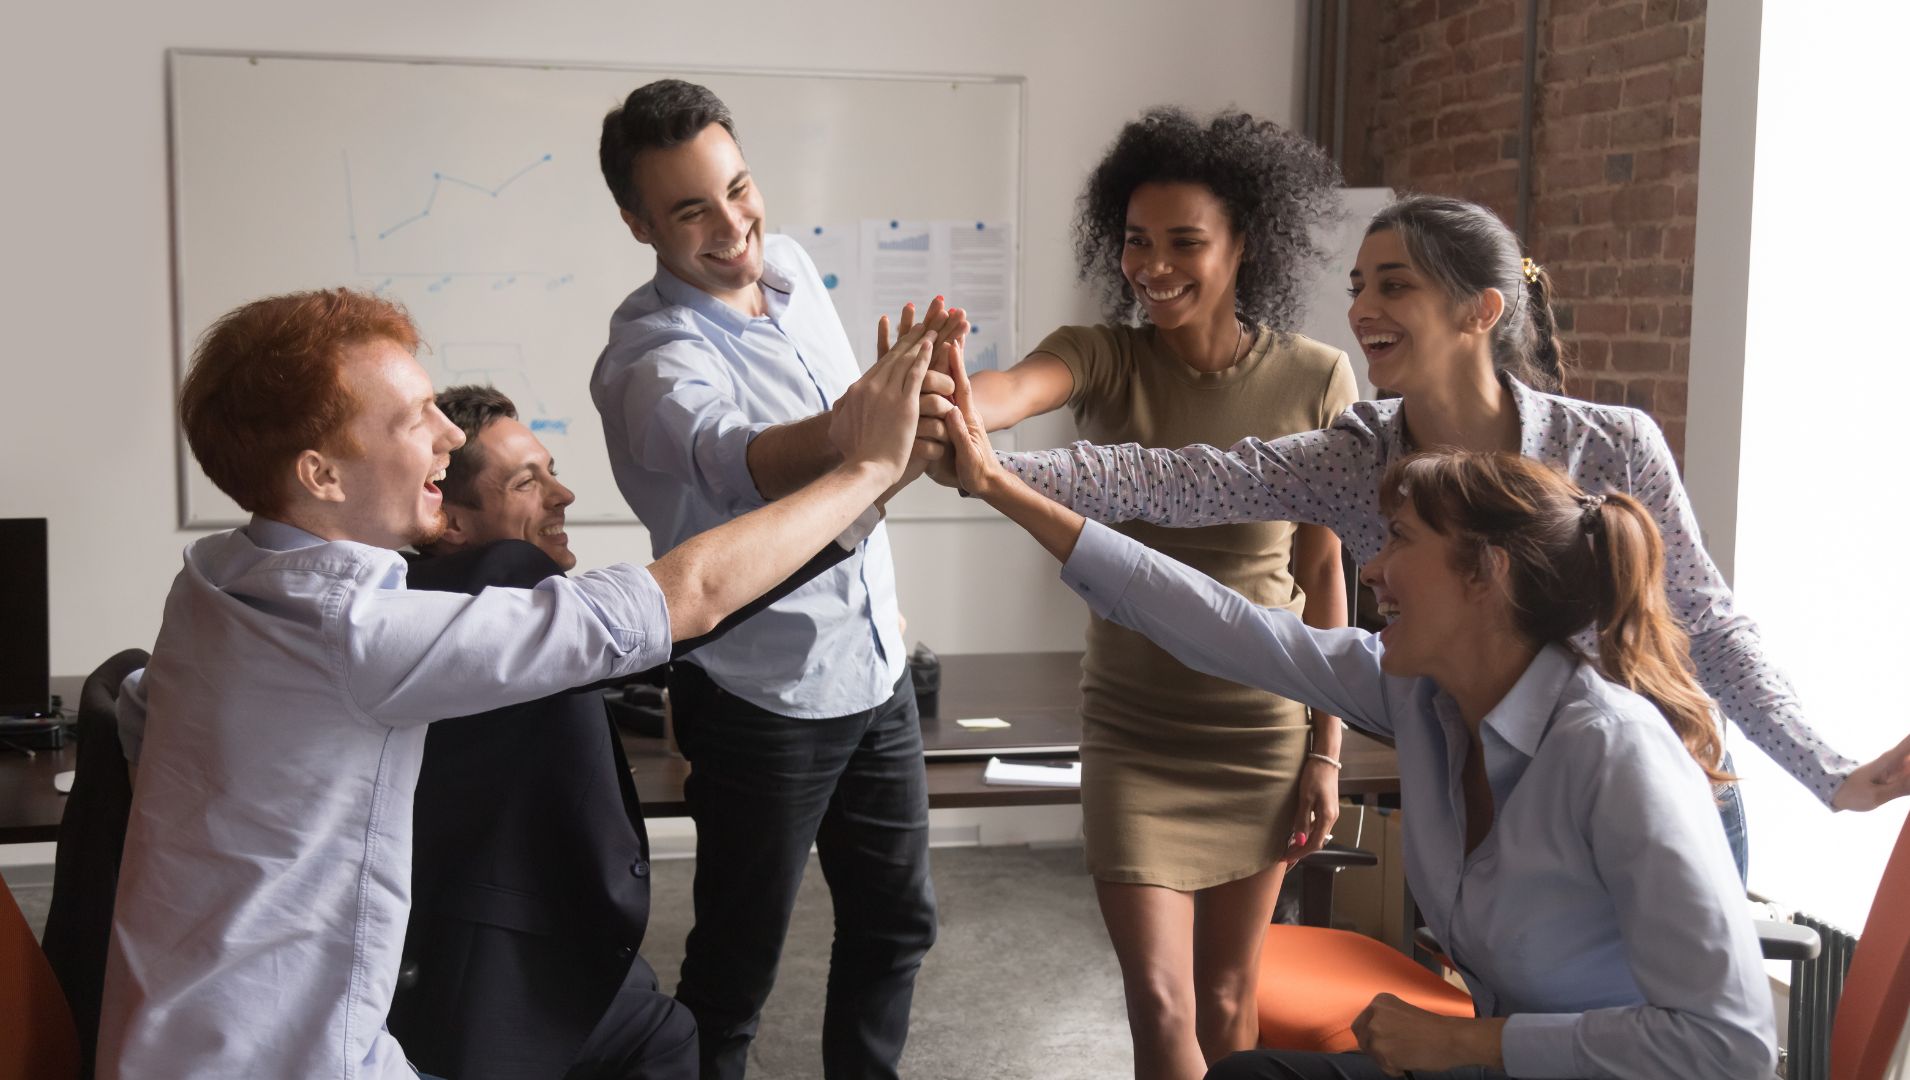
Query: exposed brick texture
(1615,163)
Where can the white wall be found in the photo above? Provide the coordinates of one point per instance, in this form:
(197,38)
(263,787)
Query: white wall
(1812,513)
(86,373)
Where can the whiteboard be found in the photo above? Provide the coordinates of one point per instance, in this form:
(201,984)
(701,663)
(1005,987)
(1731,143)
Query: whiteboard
(470,192)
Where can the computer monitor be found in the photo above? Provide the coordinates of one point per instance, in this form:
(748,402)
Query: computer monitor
(25,657)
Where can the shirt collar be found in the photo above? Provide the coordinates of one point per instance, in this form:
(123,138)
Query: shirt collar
(278,536)
(776,279)
(1521,717)
(1527,402)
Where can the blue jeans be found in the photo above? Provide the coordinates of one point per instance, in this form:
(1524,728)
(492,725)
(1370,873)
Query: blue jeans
(1731,809)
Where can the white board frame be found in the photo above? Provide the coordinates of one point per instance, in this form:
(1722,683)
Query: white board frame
(913,505)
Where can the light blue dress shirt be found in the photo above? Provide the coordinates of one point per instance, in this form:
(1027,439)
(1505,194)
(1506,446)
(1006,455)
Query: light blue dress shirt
(1602,913)
(279,728)
(683,386)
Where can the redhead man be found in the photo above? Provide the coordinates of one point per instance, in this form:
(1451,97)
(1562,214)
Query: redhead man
(266,878)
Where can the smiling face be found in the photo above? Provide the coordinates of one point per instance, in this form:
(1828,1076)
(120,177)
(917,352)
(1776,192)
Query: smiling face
(384,491)
(1414,336)
(517,495)
(1434,610)
(702,214)
(1181,255)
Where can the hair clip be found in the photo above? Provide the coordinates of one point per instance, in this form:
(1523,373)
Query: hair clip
(1531,271)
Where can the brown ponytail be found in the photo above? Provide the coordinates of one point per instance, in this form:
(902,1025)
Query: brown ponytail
(1573,560)
(1640,646)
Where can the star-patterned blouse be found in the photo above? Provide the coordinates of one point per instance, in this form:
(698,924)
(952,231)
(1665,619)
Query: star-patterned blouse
(1331,477)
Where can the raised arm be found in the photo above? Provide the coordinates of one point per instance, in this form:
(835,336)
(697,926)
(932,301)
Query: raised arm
(1749,687)
(1204,624)
(412,657)
(712,574)
(1322,477)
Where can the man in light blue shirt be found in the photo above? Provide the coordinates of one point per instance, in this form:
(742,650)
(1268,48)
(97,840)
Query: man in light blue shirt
(265,883)
(715,390)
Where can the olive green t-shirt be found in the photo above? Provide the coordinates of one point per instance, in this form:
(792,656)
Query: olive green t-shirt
(1129,387)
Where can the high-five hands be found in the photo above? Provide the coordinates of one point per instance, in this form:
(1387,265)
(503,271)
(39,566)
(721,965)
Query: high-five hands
(876,419)
(977,471)
(950,327)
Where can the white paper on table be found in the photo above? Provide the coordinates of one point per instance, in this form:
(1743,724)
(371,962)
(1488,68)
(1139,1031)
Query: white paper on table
(980,278)
(837,252)
(1032,774)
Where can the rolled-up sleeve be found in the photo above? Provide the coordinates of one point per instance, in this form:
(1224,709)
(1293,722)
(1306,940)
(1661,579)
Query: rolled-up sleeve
(678,407)
(412,657)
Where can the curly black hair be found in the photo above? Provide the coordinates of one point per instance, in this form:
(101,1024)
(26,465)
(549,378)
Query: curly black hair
(1278,188)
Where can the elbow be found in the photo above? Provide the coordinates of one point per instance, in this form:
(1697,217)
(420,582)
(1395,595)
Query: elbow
(691,601)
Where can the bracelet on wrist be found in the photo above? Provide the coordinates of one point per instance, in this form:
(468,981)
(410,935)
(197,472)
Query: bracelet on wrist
(1315,755)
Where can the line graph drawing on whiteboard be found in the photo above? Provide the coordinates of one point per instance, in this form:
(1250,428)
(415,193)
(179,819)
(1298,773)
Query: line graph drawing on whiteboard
(371,257)
(500,364)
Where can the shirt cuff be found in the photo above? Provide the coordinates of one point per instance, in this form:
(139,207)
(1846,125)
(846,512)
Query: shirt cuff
(1541,1046)
(1101,566)
(633,609)
(860,528)
(739,486)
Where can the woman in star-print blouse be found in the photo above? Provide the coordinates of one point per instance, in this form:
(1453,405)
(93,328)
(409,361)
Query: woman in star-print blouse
(1451,318)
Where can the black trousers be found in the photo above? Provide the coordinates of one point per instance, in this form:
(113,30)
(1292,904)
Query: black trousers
(643,1035)
(762,788)
(1302,1065)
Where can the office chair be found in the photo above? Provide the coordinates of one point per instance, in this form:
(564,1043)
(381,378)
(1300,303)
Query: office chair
(41,1043)
(1315,980)
(79,921)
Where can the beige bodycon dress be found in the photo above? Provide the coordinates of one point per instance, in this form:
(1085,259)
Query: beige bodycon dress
(1188,781)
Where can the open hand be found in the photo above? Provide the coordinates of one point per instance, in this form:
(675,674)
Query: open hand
(976,470)
(876,419)
(1876,782)
(950,326)
(1400,1038)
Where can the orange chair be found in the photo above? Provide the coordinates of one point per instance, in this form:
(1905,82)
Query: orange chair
(41,1043)
(1315,980)
(1870,1016)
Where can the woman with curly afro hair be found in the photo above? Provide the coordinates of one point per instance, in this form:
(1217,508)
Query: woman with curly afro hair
(1197,793)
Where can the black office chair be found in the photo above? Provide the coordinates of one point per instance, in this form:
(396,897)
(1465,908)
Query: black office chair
(79,920)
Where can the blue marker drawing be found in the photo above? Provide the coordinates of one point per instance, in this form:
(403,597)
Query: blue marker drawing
(830,281)
(443,276)
(986,360)
(818,230)
(980,225)
(559,427)
(438,180)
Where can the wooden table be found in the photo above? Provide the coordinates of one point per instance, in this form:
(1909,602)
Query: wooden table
(1029,690)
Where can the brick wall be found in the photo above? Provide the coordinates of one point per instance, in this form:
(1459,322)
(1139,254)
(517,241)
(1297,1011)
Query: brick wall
(1615,166)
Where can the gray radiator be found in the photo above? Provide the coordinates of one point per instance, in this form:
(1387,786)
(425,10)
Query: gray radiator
(1816,985)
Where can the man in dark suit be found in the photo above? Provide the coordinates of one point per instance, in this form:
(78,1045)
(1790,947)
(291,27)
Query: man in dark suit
(530,872)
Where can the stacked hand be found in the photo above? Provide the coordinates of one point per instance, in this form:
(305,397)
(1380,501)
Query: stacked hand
(876,419)
(950,327)
(1878,782)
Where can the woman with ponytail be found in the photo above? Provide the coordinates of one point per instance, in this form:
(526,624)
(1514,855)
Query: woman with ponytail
(1454,321)
(1565,845)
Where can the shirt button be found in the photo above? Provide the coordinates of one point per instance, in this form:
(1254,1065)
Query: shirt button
(626,953)
(639,869)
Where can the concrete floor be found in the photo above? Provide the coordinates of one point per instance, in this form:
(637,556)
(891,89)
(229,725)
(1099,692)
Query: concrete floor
(1021,984)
